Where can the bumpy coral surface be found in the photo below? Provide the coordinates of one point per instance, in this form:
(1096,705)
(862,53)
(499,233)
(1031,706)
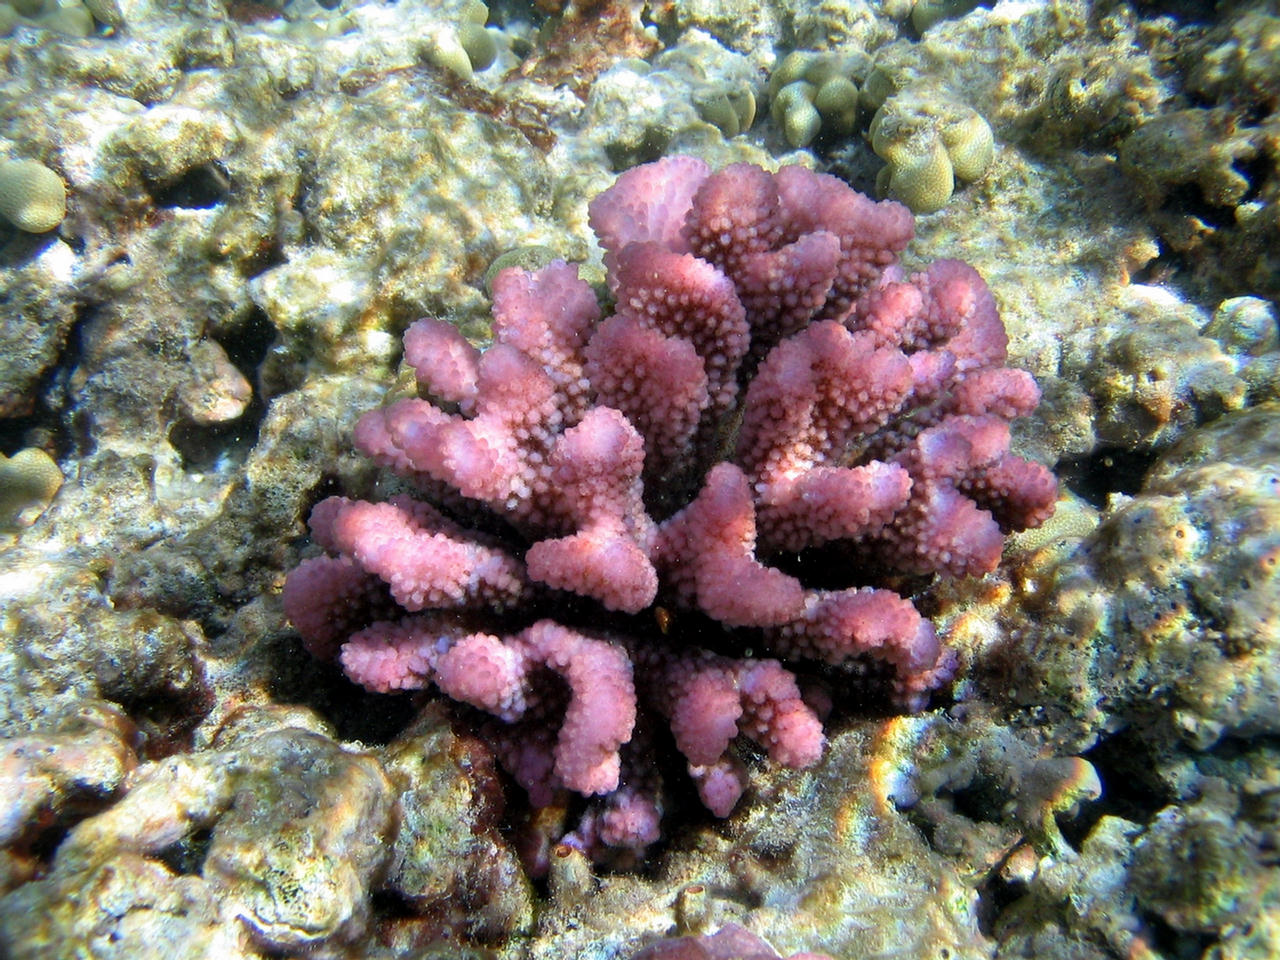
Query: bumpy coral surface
(732,942)
(616,514)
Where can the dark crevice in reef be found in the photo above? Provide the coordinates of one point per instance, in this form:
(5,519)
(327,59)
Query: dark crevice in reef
(355,713)
(166,719)
(329,486)
(43,425)
(47,425)
(249,342)
(1168,942)
(40,428)
(983,800)
(1123,763)
(1188,200)
(186,856)
(1257,171)
(206,448)
(995,896)
(46,842)
(18,247)
(1184,11)
(199,188)
(269,253)
(1105,471)
(1076,828)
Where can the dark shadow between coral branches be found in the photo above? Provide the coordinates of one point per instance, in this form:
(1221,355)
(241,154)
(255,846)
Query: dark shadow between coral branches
(1107,470)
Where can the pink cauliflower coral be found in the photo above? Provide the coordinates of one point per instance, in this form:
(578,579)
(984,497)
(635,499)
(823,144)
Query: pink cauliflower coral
(767,388)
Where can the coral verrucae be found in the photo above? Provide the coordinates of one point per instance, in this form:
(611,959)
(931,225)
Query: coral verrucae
(731,942)
(769,403)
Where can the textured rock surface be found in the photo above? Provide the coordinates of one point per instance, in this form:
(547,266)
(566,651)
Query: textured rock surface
(276,826)
(1181,637)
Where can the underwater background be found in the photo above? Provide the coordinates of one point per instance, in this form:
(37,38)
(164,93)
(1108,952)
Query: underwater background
(217,221)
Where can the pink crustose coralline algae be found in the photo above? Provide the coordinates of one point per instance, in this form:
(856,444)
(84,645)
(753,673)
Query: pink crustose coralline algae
(770,424)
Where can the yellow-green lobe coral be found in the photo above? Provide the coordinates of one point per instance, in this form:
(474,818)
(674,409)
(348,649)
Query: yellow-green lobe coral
(443,49)
(479,45)
(970,145)
(879,86)
(794,111)
(928,141)
(928,12)
(837,101)
(920,175)
(73,21)
(68,17)
(106,11)
(32,197)
(721,91)
(478,42)
(28,482)
(463,49)
(815,93)
(730,109)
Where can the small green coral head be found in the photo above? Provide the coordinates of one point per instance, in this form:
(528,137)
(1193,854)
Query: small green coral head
(106,11)
(443,48)
(970,145)
(743,101)
(817,68)
(928,141)
(715,107)
(825,66)
(71,20)
(28,482)
(32,197)
(928,12)
(816,93)
(728,107)
(479,44)
(464,48)
(790,69)
(837,101)
(880,85)
(921,178)
(793,110)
